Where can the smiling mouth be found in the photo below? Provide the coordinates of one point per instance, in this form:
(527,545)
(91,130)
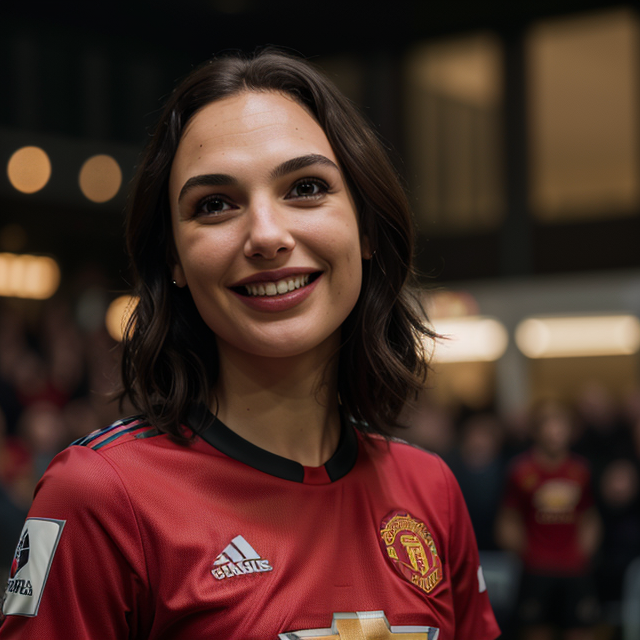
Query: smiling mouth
(279,287)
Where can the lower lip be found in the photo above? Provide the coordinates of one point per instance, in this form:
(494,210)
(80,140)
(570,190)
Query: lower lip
(280,302)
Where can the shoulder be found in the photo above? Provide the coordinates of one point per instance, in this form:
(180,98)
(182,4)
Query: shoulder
(392,450)
(120,432)
(410,466)
(99,466)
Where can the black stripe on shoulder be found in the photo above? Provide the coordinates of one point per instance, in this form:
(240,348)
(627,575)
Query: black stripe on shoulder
(121,432)
(116,428)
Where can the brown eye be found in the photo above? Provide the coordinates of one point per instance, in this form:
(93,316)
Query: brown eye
(212,206)
(308,189)
(215,205)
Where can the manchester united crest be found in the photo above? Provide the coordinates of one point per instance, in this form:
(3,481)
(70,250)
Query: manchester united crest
(410,548)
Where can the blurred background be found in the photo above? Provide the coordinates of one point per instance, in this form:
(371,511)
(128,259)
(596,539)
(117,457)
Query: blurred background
(517,131)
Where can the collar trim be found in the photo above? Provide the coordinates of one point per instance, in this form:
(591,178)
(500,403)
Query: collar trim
(219,436)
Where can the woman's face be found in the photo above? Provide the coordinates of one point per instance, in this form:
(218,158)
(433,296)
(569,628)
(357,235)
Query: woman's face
(265,229)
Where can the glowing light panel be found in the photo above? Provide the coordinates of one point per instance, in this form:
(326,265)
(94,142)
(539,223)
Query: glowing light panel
(25,276)
(470,339)
(574,337)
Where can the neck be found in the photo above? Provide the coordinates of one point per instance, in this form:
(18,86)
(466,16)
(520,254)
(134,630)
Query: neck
(287,406)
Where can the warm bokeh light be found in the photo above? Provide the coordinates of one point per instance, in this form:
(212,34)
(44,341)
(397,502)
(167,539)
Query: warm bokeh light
(25,276)
(470,339)
(450,304)
(29,169)
(118,315)
(100,178)
(572,337)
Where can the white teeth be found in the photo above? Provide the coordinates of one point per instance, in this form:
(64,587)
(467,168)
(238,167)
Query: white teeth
(275,288)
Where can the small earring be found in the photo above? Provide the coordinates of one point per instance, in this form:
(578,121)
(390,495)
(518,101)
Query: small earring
(174,283)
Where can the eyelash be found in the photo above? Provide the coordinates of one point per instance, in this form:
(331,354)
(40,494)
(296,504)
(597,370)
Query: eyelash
(323,189)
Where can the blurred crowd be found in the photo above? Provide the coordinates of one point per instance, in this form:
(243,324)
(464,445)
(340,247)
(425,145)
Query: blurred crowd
(59,369)
(482,449)
(58,374)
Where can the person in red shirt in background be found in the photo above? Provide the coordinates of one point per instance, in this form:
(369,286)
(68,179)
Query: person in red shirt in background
(548,518)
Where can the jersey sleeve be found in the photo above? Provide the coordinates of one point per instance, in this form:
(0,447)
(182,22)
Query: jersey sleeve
(79,571)
(472,609)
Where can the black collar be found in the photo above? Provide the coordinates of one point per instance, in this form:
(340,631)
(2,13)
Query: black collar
(218,435)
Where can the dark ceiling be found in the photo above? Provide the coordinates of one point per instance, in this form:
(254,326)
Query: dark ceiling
(200,28)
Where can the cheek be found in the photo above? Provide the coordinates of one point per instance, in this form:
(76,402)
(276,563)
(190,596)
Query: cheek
(205,255)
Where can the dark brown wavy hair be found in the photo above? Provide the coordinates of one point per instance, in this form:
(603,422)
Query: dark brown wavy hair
(170,357)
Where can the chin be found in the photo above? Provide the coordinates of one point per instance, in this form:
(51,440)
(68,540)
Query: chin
(286,346)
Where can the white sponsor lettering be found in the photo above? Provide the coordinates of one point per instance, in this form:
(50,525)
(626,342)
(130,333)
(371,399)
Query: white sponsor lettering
(232,569)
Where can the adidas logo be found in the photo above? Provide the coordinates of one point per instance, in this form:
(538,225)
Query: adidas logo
(238,558)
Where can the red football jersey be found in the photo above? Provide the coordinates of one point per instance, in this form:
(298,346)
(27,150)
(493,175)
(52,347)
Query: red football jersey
(550,503)
(134,536)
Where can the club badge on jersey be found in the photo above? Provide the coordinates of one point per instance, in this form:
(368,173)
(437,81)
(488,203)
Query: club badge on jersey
(30,567)
(409,546)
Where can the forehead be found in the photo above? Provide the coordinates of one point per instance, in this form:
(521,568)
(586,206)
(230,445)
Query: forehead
(251,127)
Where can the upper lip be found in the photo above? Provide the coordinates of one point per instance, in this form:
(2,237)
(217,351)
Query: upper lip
(275,275)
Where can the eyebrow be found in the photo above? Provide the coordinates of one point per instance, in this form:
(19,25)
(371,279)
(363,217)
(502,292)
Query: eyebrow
(301,162)
(207,180)
(288,166)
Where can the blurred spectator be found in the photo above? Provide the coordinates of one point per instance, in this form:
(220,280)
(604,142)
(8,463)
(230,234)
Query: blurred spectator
(12,346)
(15,497)
(549,519)
(67,361)
(631,405)
(479,469)
(32,382)
(517,433)
(16,469)
(81,419)
(603,433)
(428,426)
(43,430)
(619,502)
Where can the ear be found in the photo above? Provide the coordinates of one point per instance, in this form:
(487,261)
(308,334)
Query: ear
(365,248)
(178,275)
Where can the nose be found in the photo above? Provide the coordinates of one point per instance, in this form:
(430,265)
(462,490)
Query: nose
(268,234)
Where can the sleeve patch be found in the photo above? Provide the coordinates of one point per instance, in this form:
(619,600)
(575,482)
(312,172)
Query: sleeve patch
(31,564)
(482,585)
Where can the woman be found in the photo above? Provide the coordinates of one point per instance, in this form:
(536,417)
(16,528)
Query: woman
(273,341)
